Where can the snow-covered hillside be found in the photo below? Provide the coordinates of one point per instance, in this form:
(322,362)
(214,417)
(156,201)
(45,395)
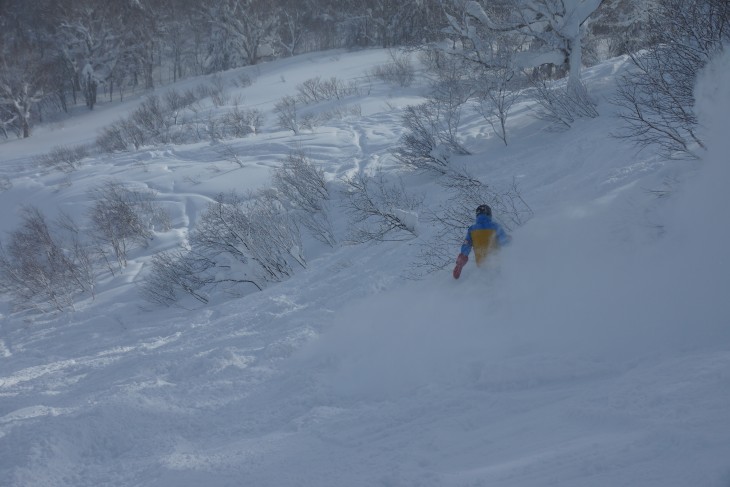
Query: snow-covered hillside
(595,351)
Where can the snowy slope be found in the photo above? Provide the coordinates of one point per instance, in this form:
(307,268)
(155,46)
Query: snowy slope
(596,350)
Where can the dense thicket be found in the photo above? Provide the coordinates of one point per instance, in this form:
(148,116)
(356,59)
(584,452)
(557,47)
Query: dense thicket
(656,98)
(58,53)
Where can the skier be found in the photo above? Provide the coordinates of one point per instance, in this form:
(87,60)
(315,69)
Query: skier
(485,235)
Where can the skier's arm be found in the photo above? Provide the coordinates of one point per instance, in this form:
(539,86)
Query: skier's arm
(466,246)
(502,237)
(463,256)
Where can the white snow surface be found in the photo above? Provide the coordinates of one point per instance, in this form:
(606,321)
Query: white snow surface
(594,351)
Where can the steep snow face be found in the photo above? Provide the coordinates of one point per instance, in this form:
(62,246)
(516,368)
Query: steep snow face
(592,351)
(707,197)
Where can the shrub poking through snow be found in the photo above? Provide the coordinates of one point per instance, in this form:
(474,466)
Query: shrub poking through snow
(122,217)
(45,266)
(238,245)
(399,71)
(64,158)
(303,187)
(380,210)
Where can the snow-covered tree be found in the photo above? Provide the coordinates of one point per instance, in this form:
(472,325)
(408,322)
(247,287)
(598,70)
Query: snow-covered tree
(176,41)
(144,21)
(551,30)
(390,18)
(618,27)
(386,23)
(249,25)
(294,24)
(90,42)
(23,69)
(21,88)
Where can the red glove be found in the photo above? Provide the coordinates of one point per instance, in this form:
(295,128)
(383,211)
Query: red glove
(461,261)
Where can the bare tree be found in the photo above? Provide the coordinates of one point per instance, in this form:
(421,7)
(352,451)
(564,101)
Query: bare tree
(302,185)
(498,83)
(64,158)
(316,89)
(656,98)
(294,24)
(399,70)
(286,112)
(240,122)
(449,93)
(420,147)
(253,235)
(44,267)
(495,99)
(432,128)
(249,23)
(238,245)
(557,106)
(379,210)
(277,229)
(157,120)
(177,272)
(431,135)
(123,216)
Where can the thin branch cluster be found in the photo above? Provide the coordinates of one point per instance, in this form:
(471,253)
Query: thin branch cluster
(656,98)
(238,245)
(47,266)
(452,219)
(302,186)
(380,210)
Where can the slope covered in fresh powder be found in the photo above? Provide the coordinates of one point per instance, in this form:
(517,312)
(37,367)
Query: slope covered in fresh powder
(593,351)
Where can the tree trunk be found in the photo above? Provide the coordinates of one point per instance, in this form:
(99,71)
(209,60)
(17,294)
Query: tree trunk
(575,61)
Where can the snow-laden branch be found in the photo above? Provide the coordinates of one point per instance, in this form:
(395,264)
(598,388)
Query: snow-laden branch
(554,25)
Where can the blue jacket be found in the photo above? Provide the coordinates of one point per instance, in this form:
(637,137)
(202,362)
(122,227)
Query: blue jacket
(484,235)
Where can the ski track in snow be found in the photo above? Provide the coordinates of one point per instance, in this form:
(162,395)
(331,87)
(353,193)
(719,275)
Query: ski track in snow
(528,373)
